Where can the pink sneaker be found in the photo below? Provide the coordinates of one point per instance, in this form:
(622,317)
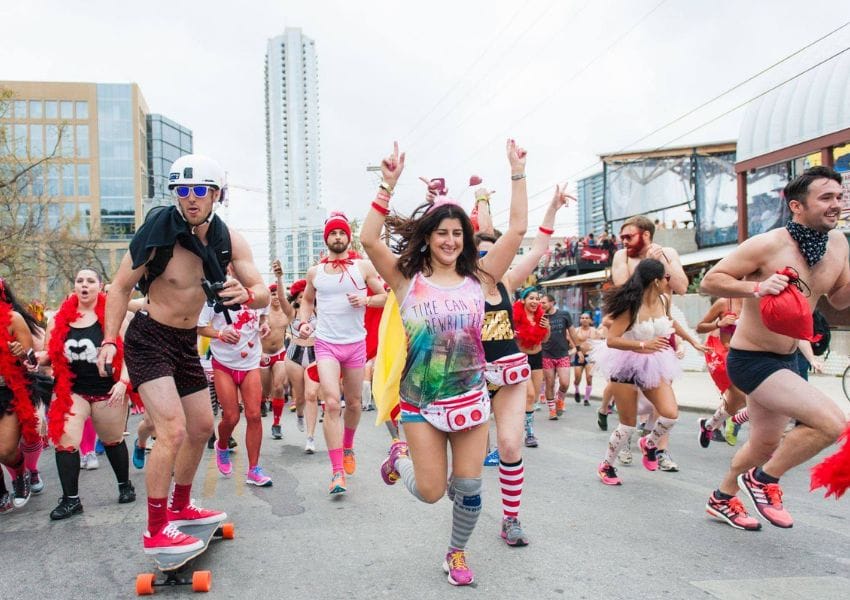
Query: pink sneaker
(170,541)
(194,515)
(388,471)
(458,571)
(222,461)
(731,511)
(608,474)
(766,499)
(258,477)
(650,458)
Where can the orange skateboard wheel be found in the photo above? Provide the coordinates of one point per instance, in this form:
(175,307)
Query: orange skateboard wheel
(144,584)
(228,531)
(201,581)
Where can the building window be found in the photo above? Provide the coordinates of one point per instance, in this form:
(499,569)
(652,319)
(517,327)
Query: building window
(36,109)
(36,141)
(67,141)
(66,109)
(20,141)
(37,179)
(83,180)
(53,180)
(52,139)
(82,141)
(51,109)
(20,109)
(84,219)
(68,180)
(82,110)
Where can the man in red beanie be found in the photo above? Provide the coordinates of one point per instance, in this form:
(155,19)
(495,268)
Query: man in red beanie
(337,287)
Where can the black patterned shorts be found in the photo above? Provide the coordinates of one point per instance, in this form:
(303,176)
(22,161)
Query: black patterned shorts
(153,350)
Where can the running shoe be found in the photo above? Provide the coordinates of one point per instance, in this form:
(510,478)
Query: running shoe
(92,462)
(602,420)
(492,459)
(717,435)
(512,532)
(650,455)
(553,414)
(310,446)
(292,407)
(766,498)
(264,409)
(704,433)
(98,447)
(625,456)
(349,463)
(222,461)
(731,432)
(21,488)
(170,541)
(299,423)
(586,402)
(6,504)
(277,433)
(67,507)
(195,515)
(138,455)
(458,571)
(608,474)
(257,476)
(36,483)
(577,397)
(665,463)
(231,443)
(560,404)
(211,442)
(389,473)
(731,511)
(126,492)
(337,485)
(531,440)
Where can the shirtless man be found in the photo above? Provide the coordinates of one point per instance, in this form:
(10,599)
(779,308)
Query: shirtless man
(160,345)
(636,234)
(337,289)
(273,361)
(762,363)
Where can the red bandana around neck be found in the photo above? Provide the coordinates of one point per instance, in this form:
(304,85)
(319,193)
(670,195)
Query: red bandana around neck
(60,408)
(13,373)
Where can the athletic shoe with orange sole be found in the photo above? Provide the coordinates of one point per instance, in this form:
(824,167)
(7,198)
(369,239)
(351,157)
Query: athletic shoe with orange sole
(766,499)
(732,512)
(349,463)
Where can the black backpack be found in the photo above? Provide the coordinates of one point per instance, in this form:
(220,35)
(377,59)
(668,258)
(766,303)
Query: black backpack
(821,327)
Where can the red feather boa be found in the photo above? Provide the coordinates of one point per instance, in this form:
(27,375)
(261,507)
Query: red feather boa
(60,408)
(528,333)
(13,373)
(833,472)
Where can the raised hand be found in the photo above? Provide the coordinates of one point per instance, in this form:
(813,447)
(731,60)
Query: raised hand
(516,156)
(561,197)
(277,268)
(392,166)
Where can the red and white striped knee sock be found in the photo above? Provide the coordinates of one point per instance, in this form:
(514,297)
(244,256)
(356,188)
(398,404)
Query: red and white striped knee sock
(511,477)
(741,417)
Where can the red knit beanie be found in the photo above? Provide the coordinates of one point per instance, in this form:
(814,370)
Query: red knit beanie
(337,220)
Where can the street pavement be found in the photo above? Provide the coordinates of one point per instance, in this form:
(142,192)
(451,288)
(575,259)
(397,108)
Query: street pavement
(649,538)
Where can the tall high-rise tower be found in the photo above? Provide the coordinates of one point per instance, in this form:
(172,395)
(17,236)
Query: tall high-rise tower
(296,219)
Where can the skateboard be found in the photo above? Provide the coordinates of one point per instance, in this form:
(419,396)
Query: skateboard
(173,565)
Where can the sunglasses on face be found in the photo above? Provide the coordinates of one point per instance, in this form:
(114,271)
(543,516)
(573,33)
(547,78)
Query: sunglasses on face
(183,191)
(627,236)
(482,253)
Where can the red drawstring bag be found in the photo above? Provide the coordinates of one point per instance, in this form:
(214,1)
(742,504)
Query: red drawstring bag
(715,360)
(788,312)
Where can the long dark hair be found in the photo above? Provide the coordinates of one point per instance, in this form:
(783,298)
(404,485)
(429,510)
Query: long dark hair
(412,234)
(628,297)
(7,296)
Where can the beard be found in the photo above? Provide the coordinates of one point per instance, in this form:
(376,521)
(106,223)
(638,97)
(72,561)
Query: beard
(635,250)
(338,247)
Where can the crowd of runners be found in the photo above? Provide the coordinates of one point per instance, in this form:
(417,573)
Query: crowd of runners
(436,332)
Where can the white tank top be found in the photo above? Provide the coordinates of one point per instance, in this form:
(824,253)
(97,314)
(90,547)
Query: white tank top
(339,322)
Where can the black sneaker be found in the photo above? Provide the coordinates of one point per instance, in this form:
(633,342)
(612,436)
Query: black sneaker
(704,434)
(126,493)
(21,488)
(264,410)
(36,483)
(6,504)
(531,440)
(68,507)
(586,403)
(602,420)
(277,434)
(577,398)
(211,442)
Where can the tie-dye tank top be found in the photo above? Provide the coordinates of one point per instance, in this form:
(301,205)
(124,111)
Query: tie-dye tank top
(445,356)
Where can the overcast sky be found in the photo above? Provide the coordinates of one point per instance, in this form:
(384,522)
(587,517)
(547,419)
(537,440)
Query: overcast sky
(450,80)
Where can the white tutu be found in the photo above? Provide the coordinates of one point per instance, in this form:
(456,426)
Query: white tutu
(646,370)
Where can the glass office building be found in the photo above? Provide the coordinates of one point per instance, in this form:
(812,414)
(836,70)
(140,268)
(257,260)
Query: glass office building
(167,141)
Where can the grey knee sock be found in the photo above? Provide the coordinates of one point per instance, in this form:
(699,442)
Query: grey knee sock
(405,468)
(465,510)
(662,426)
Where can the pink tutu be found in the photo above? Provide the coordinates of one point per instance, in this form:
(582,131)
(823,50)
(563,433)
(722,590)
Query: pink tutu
(646,370)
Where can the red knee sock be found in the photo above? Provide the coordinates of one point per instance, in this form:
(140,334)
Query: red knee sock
(157,515)
(277,409)
(348,438)
(336,459)
(32,452)
(180,497)
(89,438)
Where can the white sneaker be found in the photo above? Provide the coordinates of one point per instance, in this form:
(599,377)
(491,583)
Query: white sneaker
(92,461)
(84,459)
(625,456)
(310,446)
(299,422)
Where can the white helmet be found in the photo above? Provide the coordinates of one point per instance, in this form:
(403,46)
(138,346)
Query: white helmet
(195,169)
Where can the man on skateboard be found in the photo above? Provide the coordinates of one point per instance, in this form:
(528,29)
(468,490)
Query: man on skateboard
(178,257)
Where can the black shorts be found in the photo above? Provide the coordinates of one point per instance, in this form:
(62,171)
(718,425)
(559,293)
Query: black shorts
(153,350)
(576,362)
(748,368)
(535,361)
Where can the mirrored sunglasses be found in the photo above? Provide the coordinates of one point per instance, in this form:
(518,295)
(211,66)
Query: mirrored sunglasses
(200,191)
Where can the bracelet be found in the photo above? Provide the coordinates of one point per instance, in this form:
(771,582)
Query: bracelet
(250,300)
(756,290)
(545,230)
(381,209)
(108,343)
(383,195)
(518,176)
(643,345)
(386,187)
(218,335)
